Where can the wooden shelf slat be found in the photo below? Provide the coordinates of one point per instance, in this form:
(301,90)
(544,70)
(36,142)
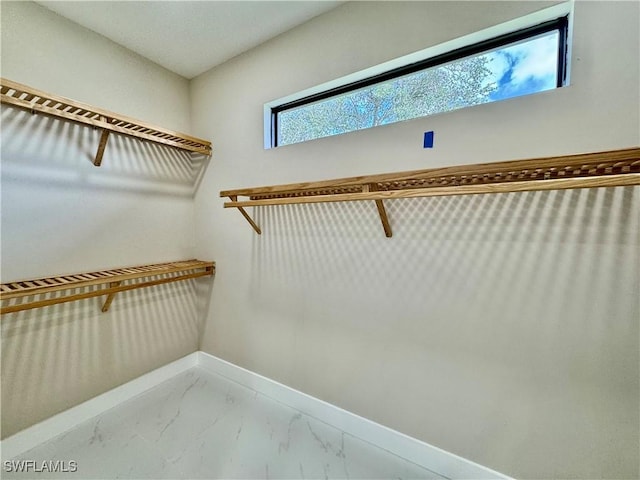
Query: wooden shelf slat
(630,156)
(591,170)
(38,101)
(527,186)
(170,272)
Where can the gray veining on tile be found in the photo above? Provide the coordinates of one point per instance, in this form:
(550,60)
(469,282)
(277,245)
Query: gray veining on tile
(202,425)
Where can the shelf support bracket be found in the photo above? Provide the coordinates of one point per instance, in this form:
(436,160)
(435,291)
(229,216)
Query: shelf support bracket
(372,187)
(254,225)
(101,146)
(109,299)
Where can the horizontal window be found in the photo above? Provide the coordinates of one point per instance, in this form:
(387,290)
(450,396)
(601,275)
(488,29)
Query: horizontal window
(520,63)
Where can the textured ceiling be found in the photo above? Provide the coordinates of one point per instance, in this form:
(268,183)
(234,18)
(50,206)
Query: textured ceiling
(189,37)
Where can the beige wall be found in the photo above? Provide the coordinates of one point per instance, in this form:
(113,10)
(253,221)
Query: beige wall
(501,328)
(60,214)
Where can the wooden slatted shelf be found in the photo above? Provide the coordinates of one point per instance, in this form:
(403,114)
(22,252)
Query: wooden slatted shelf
(590,170)
(37,101)
(114,281)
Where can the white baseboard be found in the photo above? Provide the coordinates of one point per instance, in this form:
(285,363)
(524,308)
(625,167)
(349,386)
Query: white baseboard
(433,458)
(416,451)
(33,436)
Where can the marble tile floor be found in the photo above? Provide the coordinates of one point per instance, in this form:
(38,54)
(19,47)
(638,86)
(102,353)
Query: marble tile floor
(202,425)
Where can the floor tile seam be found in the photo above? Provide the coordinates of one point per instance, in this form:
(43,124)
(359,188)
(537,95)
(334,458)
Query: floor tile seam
(136,429)
(318,419)
(99,416)
(144,434)
(438,476)
(52,442)
(166,455)
(159,453)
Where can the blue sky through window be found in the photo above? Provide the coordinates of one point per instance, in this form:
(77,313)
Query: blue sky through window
(527,67)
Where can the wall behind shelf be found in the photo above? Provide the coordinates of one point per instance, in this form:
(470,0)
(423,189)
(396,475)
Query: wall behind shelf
(500,328)
(60,214)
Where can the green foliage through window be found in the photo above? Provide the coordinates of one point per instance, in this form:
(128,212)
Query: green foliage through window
(522,67)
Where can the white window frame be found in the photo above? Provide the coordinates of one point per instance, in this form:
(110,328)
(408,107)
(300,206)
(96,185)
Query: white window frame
(530,20)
